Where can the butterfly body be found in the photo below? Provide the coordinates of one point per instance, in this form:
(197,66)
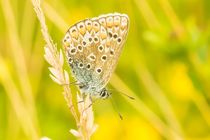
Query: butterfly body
(93,47)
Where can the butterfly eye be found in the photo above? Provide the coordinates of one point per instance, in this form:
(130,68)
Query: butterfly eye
(104,94)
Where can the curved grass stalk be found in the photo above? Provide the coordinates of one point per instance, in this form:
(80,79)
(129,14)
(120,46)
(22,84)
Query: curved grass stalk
(158,95)
(25,96)
(19,60)
(173,18)
(147,13)
(85,123)
(17,103)
(54,16)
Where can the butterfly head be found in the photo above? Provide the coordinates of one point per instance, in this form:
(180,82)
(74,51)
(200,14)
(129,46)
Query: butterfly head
(104,93)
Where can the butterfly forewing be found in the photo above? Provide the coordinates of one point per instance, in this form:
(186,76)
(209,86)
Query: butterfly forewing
(93,47)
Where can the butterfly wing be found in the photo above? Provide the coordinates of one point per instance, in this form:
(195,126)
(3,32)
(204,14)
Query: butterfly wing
(116,26)
(93,47)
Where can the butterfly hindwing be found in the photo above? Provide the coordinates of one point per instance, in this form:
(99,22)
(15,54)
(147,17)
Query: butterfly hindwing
(117,29)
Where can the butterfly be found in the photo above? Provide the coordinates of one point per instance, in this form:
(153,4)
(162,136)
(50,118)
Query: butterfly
(92,48)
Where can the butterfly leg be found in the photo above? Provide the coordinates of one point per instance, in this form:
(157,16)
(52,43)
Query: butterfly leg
(71,83)
(77,103)
(91,103)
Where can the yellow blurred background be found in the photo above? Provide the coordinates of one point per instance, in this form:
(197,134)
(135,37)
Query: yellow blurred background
(165,65)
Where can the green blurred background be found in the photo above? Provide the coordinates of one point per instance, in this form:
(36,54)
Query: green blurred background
(165,65)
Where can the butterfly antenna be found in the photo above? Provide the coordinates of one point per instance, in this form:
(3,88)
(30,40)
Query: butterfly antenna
(115,108)
(73,83)
(130,97)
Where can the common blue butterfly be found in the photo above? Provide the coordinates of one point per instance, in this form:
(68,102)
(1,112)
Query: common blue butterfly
(93,47)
